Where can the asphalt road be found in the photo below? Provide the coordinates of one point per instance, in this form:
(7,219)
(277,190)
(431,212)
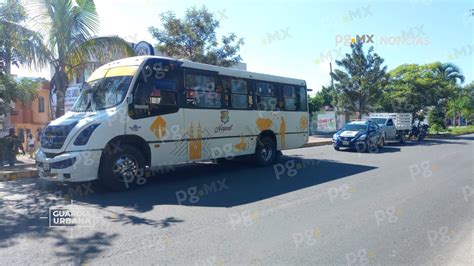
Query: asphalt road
(407,204)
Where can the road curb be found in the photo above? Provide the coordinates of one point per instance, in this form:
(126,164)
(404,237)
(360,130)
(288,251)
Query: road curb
(18,174)
(319,143)
(446,136)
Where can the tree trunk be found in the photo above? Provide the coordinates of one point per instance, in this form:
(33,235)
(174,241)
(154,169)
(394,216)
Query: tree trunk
(61,86)
(454,111)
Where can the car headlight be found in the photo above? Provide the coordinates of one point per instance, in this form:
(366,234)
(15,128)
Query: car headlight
(84,136)
(362,137)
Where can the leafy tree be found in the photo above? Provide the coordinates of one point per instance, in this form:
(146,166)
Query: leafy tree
(359,82)
(11,90)
(324,97)
(436,117)
(68,27)
(413,88)
(315,103)
(194,38)
(462,102)
(452,74)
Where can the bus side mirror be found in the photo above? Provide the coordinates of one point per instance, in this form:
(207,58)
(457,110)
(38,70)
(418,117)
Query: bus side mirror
(130,99)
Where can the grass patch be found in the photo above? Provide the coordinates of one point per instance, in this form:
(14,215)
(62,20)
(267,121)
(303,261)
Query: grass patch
(453,130)
(461,130)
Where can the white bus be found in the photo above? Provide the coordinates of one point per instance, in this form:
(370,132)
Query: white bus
(143,112)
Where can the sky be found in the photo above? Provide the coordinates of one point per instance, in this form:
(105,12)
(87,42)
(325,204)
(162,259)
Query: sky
(299,38)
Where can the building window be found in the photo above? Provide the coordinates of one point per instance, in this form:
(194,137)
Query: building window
(266,96)
(21,135)
(41,105)
(203,91)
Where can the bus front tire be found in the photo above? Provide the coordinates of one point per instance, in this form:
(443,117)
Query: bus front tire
(123,169)
(266,152)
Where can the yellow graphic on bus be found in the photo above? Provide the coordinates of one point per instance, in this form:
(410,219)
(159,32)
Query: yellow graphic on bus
(304,122)
(282,132)
(158,127)
(241,146)
(195,144)
(263,123)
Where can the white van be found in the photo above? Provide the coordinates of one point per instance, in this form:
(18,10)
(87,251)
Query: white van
(150,111)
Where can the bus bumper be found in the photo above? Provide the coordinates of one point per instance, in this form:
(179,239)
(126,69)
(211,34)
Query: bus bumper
(77,166)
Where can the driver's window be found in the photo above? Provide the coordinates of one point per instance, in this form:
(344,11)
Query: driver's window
(390,122)
(155,96)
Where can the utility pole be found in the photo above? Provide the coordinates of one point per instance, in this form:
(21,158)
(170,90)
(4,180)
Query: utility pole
(335,96)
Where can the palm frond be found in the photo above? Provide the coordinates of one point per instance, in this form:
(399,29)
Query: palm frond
(99,50)
(28,45)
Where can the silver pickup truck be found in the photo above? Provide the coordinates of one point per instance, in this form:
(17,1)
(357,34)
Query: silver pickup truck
(395,126)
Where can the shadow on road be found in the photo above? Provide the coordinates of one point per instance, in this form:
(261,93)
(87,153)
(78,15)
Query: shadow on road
(228,185)
(23,202)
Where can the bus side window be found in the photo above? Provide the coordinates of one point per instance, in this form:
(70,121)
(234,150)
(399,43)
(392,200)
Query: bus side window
(203,91)
(289,98)
(239,94)
(266,96)
(302,97)
(155,96)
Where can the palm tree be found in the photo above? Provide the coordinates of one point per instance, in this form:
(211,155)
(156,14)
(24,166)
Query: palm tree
(18,46)
(452,74)
(68,28)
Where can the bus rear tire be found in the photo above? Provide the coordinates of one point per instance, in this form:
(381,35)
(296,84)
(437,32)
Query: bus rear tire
(265,152)
(122,169)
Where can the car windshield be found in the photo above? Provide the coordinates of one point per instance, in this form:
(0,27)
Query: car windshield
(102,93)
(354,127)
(380,121)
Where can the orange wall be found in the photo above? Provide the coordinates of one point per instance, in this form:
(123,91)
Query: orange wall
(41,118)
(28,116)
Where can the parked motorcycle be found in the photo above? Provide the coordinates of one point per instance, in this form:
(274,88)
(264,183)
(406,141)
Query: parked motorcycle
(419,131)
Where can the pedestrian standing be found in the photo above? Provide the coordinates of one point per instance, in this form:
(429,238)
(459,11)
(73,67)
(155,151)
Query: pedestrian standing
(12,144)
(30,143)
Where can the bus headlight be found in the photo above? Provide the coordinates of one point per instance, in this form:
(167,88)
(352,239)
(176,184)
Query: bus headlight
(84,136)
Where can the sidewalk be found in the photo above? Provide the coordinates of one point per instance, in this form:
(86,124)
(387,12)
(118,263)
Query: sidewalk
(318,140)
(24,168)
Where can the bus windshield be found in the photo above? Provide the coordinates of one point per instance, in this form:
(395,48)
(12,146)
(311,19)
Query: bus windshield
(102,93)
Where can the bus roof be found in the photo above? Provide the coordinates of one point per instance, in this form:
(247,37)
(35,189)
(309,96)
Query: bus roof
(226,71)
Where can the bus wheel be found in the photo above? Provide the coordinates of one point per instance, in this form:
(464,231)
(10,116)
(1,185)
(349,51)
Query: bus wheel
(123,169)
(266,152)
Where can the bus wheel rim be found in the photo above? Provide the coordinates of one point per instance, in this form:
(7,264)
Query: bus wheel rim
(126,167)
(266,152)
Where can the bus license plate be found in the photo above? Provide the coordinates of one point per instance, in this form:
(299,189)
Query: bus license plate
(345,143)
(46,167)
